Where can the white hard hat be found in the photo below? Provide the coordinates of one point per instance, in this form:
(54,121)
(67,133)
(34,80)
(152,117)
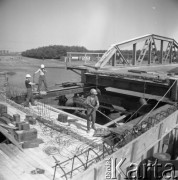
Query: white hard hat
(28,75)
(42,66)
(93,91)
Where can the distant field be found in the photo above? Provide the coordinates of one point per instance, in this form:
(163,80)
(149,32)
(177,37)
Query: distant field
(17,67)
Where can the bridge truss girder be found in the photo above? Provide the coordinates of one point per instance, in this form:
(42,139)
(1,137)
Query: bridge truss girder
(149,47)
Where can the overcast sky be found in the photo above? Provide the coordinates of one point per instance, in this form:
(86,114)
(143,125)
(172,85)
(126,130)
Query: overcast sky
(95,24)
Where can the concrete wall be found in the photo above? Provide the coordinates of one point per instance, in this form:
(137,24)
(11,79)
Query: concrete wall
(143,146)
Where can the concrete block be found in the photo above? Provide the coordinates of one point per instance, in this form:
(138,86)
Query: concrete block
(30,119)
(23,126)
(16,117)
(26,135)
(32,144)
(62,118)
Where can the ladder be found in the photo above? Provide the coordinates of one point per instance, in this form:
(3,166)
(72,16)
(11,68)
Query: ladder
(154,51)
(174,53)
(143,51)
(168,49)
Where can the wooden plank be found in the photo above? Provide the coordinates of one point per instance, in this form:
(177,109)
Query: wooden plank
(134,58)
(38,154)
(35,160)
(14,167)
(64,88)
(115,121)
(63,91)
(6,174)
(162,38)
(134,150)
(144,142)
(41,156)
(10,137)
(147,96)
(7,126)
(24,162)
(107,107)
(68,107)
(16,158)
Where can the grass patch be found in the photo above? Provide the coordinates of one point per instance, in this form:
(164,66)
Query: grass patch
(11,73)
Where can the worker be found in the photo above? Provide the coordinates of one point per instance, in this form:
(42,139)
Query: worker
(92,104)
(29,97)
(42,78)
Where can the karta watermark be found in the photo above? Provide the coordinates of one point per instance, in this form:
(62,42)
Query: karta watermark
(155,169)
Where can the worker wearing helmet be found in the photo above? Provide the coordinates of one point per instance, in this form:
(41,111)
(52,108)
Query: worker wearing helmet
(92,106)
(29,85)
(42,78)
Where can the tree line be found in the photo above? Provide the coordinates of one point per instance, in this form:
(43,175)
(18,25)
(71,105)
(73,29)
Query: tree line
(59,51)
(55,51)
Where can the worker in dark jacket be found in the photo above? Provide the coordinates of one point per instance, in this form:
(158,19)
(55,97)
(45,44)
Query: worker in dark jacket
(29,85)
(92,106)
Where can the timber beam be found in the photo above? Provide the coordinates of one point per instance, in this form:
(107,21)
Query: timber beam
(63,91)
(141,86)
(130,102)
(162,38)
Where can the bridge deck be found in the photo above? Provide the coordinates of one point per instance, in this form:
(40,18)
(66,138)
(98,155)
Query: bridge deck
(60,144)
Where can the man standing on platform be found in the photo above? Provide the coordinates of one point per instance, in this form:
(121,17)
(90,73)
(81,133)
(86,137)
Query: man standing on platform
(29,85)
(42,78)
(92,106)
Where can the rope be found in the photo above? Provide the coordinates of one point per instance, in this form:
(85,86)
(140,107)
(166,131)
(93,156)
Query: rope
(141,105)
(136,111)
(157,102)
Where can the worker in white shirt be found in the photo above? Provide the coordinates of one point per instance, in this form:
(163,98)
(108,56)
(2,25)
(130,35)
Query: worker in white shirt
(42,71)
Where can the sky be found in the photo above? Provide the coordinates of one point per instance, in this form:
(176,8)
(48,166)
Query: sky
(94,24)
